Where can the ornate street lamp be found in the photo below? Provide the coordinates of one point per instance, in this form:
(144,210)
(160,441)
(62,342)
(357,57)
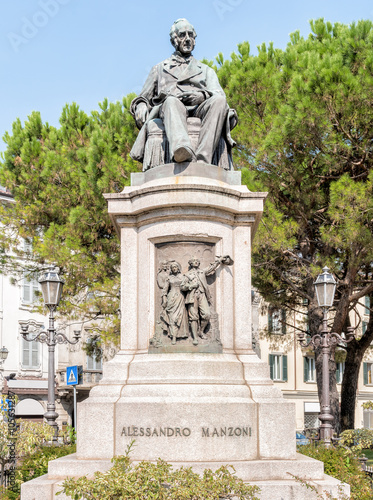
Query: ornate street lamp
(3,354)
(325,286)
(51,287)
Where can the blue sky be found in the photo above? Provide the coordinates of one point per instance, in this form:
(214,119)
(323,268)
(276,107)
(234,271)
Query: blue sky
(54,52)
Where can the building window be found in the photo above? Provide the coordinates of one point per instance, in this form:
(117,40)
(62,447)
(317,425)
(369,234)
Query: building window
(364,326)
(30,354)
(340,371)
(94,359)
(309,369)
(30,288)
(368,373)
(278,365)
(368,419)
(93,363)
(277,321)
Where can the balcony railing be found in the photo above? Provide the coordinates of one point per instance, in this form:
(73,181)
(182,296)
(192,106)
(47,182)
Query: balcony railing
(90,377)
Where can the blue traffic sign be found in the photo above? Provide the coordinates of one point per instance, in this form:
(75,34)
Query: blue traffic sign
(72,375)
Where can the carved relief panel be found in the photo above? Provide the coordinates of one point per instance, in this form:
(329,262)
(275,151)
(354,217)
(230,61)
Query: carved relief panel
(185,316)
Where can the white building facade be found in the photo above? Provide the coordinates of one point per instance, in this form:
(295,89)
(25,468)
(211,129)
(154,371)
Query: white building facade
(25,370)
(293,369)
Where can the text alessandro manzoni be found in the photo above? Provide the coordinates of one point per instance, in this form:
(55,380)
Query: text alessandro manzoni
(133,431)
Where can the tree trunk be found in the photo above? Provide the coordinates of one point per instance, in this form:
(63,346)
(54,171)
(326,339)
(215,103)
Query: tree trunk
(355,353)
(349,385)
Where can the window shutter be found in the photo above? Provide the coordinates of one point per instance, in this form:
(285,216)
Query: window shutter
(26,291)
(366,419)
(283,319)
(25,353)
(89,363)
(365,367)
(270,325)
(305,369)
(34,354)
(271,366)
(284,368)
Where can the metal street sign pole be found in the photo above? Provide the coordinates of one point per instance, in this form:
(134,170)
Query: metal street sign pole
(74,377)
(75,409)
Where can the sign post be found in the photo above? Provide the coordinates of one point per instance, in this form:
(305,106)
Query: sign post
(74,377)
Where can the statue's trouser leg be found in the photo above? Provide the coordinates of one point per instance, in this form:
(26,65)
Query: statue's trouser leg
(174,115)
(204,312)
(193,320)
(213,113)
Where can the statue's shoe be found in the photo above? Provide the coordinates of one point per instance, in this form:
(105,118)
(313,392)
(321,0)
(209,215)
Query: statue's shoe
(183,154)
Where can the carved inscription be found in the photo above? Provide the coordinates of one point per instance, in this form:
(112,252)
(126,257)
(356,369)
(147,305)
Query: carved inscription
(226,431)
(133,431)
(206,432)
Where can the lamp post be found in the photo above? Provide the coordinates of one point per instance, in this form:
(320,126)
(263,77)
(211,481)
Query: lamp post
(51,287)
(325,286)
(3,355)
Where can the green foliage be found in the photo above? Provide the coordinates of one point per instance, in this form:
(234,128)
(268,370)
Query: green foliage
(305,134)
(36,465)
(57,177)
(339,463)
(368,405)
(159,480)
(70,435)
(29,437)
(9,495)
(357,440)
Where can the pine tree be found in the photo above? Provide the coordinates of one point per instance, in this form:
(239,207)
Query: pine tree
(57,177)
(305,136)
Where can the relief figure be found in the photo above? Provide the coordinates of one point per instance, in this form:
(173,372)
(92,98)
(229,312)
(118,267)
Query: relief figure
(174,313)
(198,297)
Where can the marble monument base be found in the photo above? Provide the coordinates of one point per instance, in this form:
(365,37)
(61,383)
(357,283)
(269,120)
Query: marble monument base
(192,410)
(194,402)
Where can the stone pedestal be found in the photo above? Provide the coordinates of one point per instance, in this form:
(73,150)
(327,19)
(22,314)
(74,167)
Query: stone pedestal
(185,403)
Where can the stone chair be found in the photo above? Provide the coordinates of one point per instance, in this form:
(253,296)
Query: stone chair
(157,149)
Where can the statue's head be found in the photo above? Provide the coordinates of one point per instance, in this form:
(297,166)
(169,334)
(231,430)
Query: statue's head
(194,262)
(175,267)
(163,266)
(183,36)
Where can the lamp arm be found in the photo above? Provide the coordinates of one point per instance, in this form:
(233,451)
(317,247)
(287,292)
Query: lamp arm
(40,337)
(315,341)
(335,338)
(61,338)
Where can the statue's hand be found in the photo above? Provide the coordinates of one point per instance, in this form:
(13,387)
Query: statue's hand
(192,98)
(164,301)
(141,114)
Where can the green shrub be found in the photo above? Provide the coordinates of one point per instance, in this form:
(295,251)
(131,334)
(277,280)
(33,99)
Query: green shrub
(159,481)
(8,494)
(341,464)
(357,439)
(36,465)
